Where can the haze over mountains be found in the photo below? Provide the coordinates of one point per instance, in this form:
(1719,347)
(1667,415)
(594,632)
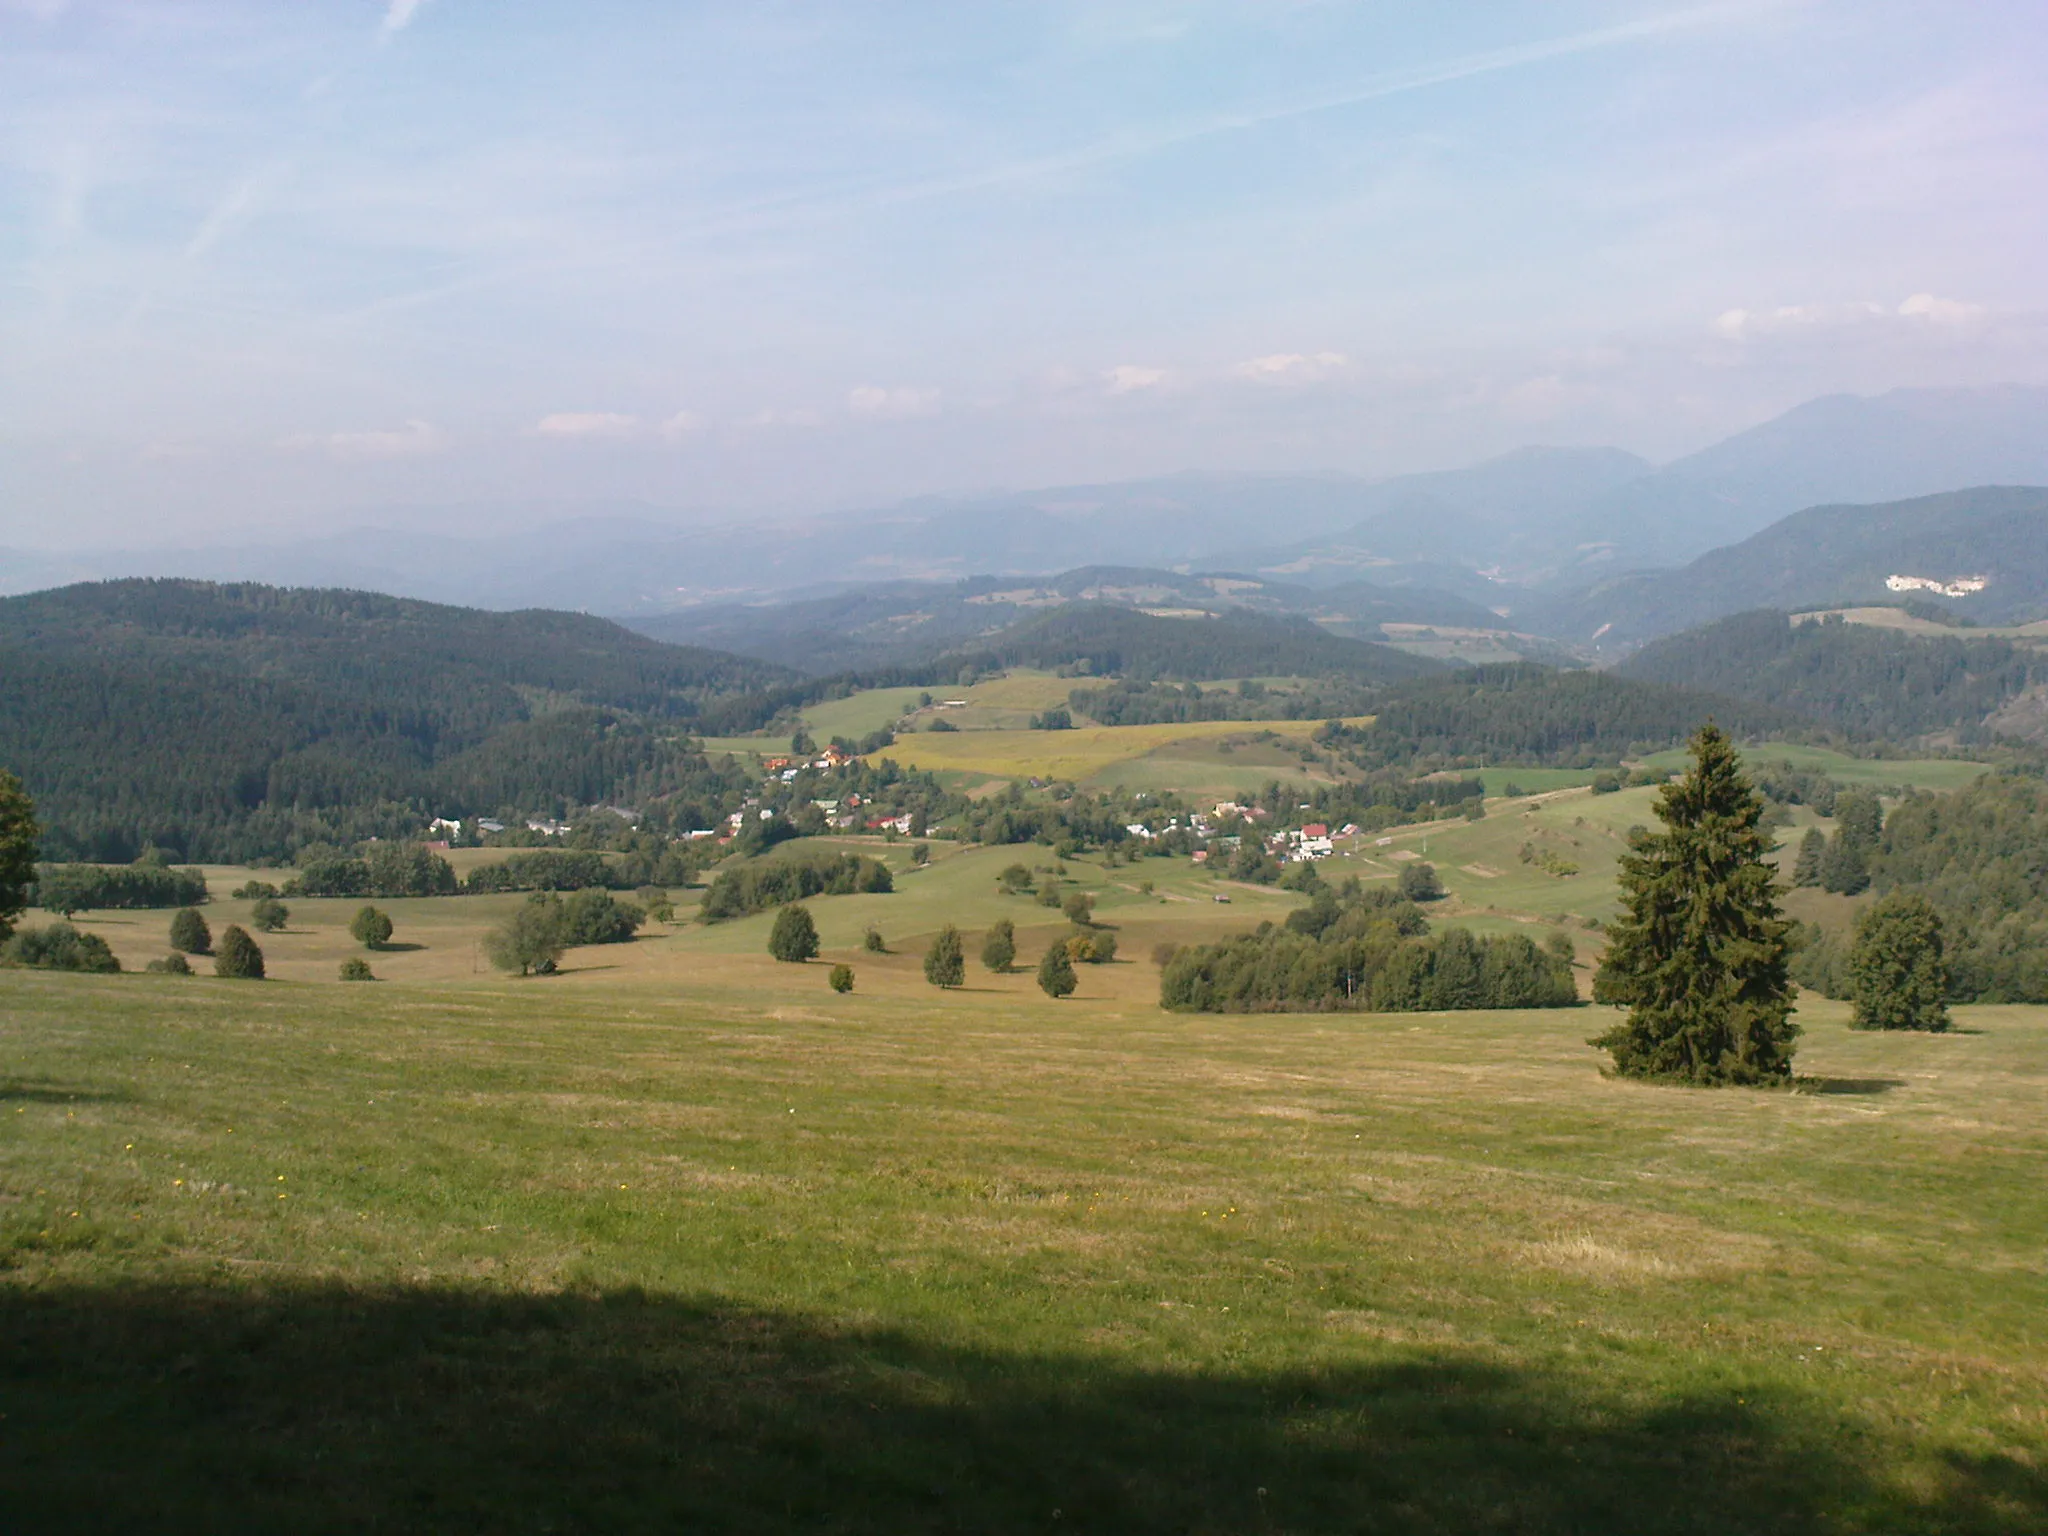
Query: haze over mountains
(1543,538)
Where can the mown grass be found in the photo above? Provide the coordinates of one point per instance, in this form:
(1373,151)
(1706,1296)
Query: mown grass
(1076,754)
(725,1251)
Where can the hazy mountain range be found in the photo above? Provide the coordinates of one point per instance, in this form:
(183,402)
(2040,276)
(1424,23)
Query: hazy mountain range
(1538,536)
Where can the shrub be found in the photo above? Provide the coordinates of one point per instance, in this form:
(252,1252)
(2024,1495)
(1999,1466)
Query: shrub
(999,949)
(1079,909)
(794,938)
(59,947)
(369,928)
(871,941)
(1014,878)
(189,932)
(1056,972)
(356,968)
(237,955)
(1898,976)
(270,915)
(945,965)
(173,964)
(841,979)
(1418,882)
(593,916)
(254,890)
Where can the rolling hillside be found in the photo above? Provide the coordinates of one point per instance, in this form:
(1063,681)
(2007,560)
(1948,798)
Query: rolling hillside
(1858,678)
(218,720)
(1838,556)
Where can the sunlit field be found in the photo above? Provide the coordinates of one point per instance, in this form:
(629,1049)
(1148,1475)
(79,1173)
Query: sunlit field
(710,1244)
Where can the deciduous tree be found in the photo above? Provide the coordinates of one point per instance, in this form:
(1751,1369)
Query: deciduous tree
(18,836)
(945,963)
(794,937)
(1898,971)
(999,949)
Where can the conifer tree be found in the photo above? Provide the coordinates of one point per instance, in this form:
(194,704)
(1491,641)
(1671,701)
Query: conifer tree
(189,932)
(794,937)
(999,949)
(1898,975)
(945,963)
(18,836)
(1699,957)
(1812,850)
(1056,972)
(237,955)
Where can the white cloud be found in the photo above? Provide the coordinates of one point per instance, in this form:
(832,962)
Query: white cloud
(1925,306)
(398,16)
(682,424)
(415,437)
(1129,378)
(1293,367)
(587,424)
(896,404)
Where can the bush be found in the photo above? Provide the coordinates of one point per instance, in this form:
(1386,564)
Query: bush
(1079,909)
(841,979)
(69,888)
(59,947)
(530,942)
(270,915)
(1897,973)
(1092,946)
(173,964)
(871,941)
(237,956)
(594,916)
(945,964)
(371,929)
(1418,882)
(794,939)
(189,932)
(254,890)
(1056,972)
(356,968)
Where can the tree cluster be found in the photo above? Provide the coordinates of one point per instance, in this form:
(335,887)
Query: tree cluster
(759,884)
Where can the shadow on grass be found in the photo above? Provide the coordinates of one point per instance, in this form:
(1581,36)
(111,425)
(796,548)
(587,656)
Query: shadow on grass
(399,948)
(20,1091)
(1861,1086)
(324,1409)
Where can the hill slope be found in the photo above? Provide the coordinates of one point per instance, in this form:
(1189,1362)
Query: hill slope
(217,720)
(1123,641)
(1838,556)
(1857,678)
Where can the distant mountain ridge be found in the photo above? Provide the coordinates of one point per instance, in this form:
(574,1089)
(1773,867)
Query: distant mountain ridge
(1837,556)
(890,623)
(1506,533)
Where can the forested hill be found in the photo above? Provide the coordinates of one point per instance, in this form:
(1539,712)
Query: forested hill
(1524,713)
(1109,639)
(1835,557)
(224,721)
(1857,677)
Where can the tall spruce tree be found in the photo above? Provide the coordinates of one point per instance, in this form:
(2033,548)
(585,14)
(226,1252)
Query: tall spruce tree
(1699,957)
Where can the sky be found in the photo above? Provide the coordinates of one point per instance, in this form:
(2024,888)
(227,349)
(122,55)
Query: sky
(271,268)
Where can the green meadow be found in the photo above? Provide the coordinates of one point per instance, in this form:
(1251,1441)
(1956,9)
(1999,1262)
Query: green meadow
(678,1238)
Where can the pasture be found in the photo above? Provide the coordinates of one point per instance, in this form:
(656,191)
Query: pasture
(711,1246)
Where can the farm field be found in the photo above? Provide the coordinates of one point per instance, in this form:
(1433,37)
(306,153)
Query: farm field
(1084,752)
(715,1247)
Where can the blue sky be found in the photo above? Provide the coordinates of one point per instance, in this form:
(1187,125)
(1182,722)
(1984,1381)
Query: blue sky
(263,265)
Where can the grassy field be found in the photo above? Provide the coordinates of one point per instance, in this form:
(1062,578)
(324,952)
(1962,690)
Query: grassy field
(1081,753)
(709,1246)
